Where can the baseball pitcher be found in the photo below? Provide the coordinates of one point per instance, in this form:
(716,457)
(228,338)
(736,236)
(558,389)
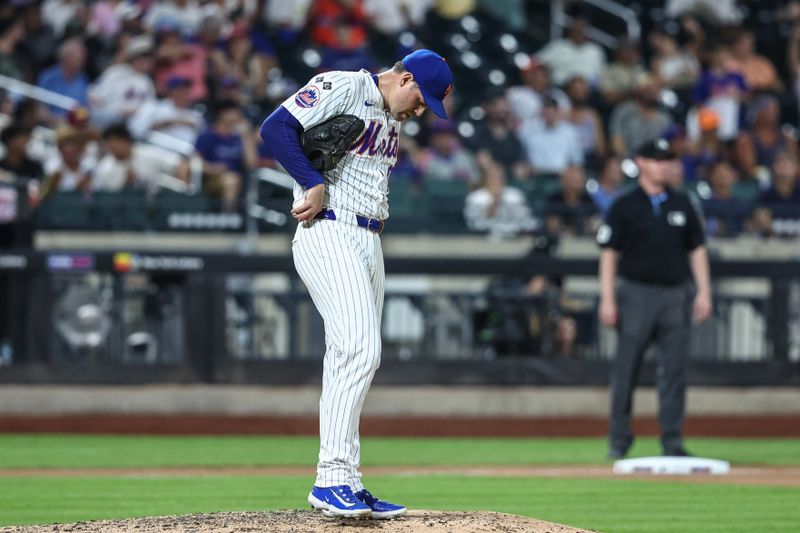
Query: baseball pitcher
(338,138)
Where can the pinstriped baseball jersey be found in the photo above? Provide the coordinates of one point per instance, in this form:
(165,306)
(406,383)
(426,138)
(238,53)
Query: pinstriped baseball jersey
(360,182)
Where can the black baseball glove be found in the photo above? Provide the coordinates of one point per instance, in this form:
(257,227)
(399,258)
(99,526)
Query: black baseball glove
(325,144)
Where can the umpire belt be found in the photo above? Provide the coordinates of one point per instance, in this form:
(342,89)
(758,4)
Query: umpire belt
(375,225)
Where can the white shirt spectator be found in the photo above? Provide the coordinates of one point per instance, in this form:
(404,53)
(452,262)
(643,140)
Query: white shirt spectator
(526,104)
(42,145)
(393,17)
(567,59)
(149,164)
(291,14)
(165,117)
(119,92)
(510,217)
(58,13)
(69,177)
(551,148)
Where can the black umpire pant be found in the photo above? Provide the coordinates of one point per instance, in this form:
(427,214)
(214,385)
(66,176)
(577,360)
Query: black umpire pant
(651,314)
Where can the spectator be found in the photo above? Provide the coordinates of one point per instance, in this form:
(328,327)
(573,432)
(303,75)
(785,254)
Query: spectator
(571,210)
(57,14)
(620,79)
(587,121)
(610,183)
(761,223)
(39,42)
(338,24)
(446,159)
(725,214)
(11,32)
(67,77)
(288,17)
(174,57)
(250,58)
(526,100)
(342,54)
(185,14)
(391,18)
(793,59)
(497,209)
(228,149)
(757,146)
(759,72)
(636,122)
(16,162)
(131,165)
(723,90)
(32,116)
(574,56)
(552,144)
(495,139)
(172,115)
(679,145)
(675,68)
(781,201)
(125,87)
(784,189)
(106,17)
(707,150)
(72,169)
(511,12)
(565,333)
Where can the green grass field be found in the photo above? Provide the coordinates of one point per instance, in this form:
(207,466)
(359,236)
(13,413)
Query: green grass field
(602,504)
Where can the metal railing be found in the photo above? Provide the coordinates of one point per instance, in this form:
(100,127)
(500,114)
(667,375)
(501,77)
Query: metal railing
(560,20)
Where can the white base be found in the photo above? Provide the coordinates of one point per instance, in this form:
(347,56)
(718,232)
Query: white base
(671,466)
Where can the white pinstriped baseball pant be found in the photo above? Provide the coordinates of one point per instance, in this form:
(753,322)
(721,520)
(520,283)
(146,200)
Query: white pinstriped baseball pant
(342,266)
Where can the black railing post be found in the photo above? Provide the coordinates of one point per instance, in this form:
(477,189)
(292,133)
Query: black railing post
(779,317)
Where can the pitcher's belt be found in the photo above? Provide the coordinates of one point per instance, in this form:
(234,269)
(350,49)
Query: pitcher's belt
(374,225)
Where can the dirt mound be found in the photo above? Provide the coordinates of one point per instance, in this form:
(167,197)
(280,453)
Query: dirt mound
(313,522)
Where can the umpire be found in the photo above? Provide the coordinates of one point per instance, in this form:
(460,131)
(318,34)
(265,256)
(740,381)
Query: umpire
(654,238)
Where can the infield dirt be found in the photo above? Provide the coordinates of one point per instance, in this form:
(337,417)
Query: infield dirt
(312,522)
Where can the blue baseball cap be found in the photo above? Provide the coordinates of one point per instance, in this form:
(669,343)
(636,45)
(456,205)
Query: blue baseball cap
(433,76)
(177,81)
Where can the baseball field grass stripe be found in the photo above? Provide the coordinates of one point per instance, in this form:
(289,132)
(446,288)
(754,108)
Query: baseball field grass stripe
(77,451)
(604,505)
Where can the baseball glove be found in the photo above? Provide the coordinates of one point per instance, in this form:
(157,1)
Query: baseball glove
(325,144)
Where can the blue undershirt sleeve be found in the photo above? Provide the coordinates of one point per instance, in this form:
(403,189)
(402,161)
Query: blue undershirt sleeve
(281,133)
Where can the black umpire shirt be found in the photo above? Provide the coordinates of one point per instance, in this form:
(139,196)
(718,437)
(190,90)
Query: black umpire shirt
(653,242)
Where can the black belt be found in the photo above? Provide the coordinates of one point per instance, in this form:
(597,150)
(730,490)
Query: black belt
(374,225)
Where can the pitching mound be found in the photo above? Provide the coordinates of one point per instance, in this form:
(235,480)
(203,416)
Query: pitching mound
(312,522)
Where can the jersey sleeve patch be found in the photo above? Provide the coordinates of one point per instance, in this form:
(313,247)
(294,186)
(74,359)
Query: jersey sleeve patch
(307,97)
(604,234)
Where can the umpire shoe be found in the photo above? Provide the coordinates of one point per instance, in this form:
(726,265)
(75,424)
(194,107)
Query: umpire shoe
(338,501)
(615,454)
(677,452)
(380,509)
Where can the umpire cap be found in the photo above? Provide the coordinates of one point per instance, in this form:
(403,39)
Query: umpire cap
(658,150)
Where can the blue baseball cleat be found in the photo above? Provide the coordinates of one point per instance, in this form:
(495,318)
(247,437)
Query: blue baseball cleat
(380,509)
(337,501)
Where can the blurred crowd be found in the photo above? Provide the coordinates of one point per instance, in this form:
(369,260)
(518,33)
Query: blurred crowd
(156,95)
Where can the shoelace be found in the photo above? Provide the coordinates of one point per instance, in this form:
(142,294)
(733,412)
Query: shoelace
(368,497)
(346,494)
